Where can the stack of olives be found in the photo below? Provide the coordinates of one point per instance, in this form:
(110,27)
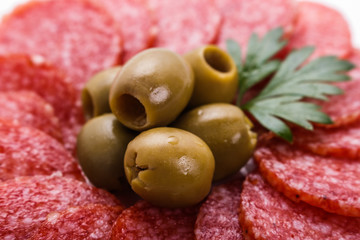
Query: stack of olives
(172,130)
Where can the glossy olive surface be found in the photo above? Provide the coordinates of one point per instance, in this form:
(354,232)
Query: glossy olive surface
(169,167)
(101,148)
(226,130)
(152,89)
(95,94)
(215,75)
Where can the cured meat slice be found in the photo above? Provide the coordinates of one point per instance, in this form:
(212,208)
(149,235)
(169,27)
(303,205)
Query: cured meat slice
(144,221)
(218,215)
(337,142)
(77,36)
(26,151)
(312,28)
(345,109)
(326,182)
(93,221)
(137,24)
(185,25)
(24,73)
(28,108)
(267,214)
(244,17)
(26,201)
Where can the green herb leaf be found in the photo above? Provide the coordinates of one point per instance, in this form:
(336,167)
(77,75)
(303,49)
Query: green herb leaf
(281,99)
(257,65)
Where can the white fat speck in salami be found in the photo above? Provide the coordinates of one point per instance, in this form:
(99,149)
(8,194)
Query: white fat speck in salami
(218,215)
(267,214)
(93,221)
(26,201)
(144,221)
(330,183)
(185,25)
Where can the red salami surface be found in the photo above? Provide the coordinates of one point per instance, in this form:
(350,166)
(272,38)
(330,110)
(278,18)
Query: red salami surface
(144,221)
(24,73)
(137,24)
(244,17)
(185,25)
(26,151)
(322,27)
(75,35)
(345,109)
(338,142)
(218,215)
(326,182)
(93,221)
(267,214)
(25,202)
(28,108)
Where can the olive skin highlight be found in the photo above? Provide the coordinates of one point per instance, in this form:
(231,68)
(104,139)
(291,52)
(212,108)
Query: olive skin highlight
(152,89)
(169,167)
(226,130)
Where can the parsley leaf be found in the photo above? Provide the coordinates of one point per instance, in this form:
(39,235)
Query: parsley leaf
(282,98)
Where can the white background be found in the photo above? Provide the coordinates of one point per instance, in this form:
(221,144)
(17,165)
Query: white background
(349,8)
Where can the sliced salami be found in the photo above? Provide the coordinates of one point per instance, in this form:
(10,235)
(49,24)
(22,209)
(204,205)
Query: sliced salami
(77,36)
(343,142)
(26,151)
(312,28)
(24,73)
(185,25)
(267,214)
(25,202)
(144,221)
(28,108)
(326,182)
(244,17)
(93,221)
(137,24)
(218,215)
(345,109)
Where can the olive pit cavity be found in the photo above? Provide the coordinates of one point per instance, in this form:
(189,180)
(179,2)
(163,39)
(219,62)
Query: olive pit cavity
(132,110)
(217,60)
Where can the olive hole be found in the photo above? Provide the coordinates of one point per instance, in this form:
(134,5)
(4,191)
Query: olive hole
(87,103)
(217,60)
(131,109)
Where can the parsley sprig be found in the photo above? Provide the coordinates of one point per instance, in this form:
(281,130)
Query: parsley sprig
(282,99)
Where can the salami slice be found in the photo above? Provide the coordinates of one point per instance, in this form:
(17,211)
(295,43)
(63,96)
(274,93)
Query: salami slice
(24,73)
(26,151)
(345,109)
(312,27)
(244,17)
(28,108)
(25,202)
(144,221)
(185,25)
(93,221)
(137,24)
(267,214)
(337,142)
(76,35)
(326,182)
(218,215)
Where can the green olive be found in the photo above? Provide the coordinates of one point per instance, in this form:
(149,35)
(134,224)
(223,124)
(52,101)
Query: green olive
(95,95)
(215,75)
(169,167)
(152,89)
(226,130)
(101,148)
